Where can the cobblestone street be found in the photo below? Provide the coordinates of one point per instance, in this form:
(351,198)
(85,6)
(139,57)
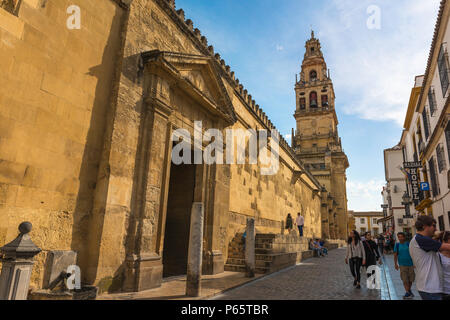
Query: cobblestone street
(326,278)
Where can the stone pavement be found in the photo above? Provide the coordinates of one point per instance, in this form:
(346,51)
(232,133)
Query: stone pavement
(396,289)
(175,288)
(326,278)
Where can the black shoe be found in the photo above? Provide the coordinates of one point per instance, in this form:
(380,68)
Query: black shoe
(358,286)
(355,283)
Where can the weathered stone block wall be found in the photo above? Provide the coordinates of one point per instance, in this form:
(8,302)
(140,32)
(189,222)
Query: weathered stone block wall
(269,198)
(70,134)
(54,93)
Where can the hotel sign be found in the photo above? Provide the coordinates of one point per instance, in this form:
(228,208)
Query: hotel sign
(413,175)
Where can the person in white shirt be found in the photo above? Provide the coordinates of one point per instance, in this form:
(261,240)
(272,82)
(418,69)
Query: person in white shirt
(445,260)
(424,253)
(300,221)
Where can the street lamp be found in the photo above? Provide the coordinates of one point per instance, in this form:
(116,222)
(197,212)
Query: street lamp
(406,201)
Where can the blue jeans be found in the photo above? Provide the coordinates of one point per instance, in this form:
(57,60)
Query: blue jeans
(300,229)
(430,296)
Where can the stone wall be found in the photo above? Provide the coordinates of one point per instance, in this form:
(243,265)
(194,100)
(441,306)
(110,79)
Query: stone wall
(54,94)
(84,155)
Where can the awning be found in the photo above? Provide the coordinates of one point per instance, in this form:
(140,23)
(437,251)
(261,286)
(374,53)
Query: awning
(385,218)
(426,203)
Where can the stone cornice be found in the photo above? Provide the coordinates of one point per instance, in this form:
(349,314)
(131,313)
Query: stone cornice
(201,43)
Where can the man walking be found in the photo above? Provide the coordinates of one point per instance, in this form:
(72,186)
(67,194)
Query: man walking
(300,221)
(403,258)
(424,253)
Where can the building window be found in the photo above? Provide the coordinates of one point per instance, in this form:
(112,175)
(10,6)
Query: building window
(313,99)
(448,213)
(313,75)
(363,221)
(443,70)
(302,103)
(432,101)
(440,158)
(324,100)
(363,230)
(447,138)
(441,223)
(12,6)
(433,176)
(426,123)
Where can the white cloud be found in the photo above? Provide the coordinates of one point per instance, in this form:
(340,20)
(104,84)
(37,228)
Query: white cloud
(288,136)
(365,195)
(280,47)
(375,69)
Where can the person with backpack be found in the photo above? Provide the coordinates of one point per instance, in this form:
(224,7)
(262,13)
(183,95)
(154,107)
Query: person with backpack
(380,244)
(424,252)
(403,261)
(387,245)
(445,261)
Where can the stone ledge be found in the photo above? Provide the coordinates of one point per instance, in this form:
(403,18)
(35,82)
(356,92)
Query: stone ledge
(11,23)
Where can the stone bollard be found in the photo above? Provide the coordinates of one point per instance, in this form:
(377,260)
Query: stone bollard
(250,249)
(194,267)
(17,265)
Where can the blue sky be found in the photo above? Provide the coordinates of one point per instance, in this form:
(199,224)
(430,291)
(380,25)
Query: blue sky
(372,70)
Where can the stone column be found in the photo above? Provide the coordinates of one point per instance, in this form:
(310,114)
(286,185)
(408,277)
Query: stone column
(17,265)
(194,268)
(144,269)
(250,249)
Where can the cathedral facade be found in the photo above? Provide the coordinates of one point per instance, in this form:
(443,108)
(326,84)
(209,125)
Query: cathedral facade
(86,134)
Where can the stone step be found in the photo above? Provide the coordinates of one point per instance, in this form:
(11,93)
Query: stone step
(307,254)
(242,256)
(237,268)
(241,262)
(265,236)
(263,251)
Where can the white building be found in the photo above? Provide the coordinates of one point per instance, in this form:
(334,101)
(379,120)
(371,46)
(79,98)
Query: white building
(368,221)
(396,189)
(426,135)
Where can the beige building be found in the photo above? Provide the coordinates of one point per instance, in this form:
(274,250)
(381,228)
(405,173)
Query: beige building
(425,140)
(368,221)
(316,139)
(86,123)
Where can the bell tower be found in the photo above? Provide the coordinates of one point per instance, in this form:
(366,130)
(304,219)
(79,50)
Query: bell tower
(316,140)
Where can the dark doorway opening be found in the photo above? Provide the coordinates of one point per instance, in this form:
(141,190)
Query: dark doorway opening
(178,219)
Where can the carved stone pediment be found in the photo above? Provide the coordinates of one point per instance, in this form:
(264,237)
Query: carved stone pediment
(197,75)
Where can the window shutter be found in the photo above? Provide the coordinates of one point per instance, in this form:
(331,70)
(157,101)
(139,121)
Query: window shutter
(443,70)
(433,177)
(432,101)
(440,157)
(426,126)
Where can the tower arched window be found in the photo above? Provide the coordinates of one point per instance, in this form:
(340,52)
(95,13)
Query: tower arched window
(302,103)
(324,100)
(313,75)
(313,99)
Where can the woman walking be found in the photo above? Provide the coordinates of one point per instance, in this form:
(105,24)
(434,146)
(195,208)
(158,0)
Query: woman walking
(372,254)
(355,257)
(445,260)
